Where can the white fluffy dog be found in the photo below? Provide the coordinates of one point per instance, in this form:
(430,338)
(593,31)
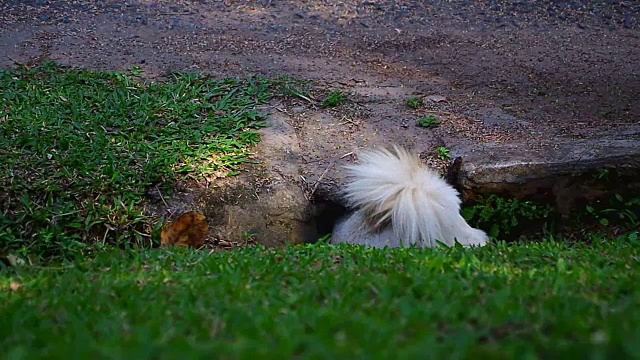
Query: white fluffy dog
(399,201)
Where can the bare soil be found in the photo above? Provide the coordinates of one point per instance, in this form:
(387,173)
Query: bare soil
(556,68)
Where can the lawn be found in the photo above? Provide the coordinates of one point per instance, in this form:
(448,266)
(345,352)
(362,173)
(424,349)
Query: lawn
(81,150)
(81,277)
(545,299)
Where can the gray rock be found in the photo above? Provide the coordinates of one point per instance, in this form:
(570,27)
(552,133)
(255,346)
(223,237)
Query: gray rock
(564,172)
(298,109)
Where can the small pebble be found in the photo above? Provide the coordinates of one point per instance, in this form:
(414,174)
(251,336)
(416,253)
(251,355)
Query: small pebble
(298,109)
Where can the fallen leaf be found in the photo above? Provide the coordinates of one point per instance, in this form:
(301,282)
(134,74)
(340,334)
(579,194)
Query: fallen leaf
(189,229)
(436,98)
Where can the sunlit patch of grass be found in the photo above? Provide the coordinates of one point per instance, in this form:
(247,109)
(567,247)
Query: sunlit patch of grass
(79,148)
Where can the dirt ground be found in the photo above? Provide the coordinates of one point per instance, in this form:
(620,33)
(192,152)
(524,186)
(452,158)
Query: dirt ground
(508,69)
(531,72)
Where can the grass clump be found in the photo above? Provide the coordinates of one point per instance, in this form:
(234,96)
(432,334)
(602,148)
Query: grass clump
(414,103)
(501,215)
(334,99)
(288,86)
(534,300)
(80,148)
(428,121)
(514,218)
(616,210)
(442,153)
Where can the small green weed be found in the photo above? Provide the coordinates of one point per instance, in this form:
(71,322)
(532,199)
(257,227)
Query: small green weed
(248,237)
(606,112)
(502,216)
(620,210)
(325,239)
(442,153)
(601,175)
(80,148)
(334,99)
(288,86)
(414,103)
(428,121)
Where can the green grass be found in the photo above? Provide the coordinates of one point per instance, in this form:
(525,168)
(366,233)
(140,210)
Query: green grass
(288,86)
(442,153)
(428,121)
(546,300)
(500,216)
(79,148)
(414,103)
(78,151)
(334,99)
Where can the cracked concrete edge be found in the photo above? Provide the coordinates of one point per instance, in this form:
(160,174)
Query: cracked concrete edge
(559,171)
(516,163)
(564,172)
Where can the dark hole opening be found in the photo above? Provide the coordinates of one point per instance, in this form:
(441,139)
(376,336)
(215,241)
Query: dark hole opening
(326,214)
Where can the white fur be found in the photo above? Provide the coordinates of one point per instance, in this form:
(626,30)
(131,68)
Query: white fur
(393,188)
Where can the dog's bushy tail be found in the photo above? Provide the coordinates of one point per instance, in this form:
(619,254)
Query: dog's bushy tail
(393,188)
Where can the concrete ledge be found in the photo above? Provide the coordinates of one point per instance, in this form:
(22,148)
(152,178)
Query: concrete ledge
(564,172)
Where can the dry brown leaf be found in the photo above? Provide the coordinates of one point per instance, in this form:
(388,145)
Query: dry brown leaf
(189,229)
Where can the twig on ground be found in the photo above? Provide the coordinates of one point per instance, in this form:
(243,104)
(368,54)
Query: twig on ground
(161,197)
(345,118)
(317,183)
(324,173)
